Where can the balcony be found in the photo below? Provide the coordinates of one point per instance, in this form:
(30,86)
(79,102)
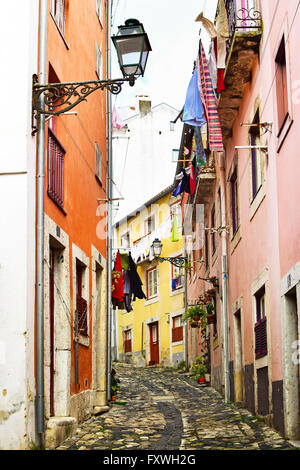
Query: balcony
(245,30)
(205,182)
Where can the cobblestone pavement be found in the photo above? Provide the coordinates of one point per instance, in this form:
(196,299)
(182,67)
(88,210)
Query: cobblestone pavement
(161,409)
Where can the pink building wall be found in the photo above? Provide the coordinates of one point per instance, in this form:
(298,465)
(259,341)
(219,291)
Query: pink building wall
(266,250)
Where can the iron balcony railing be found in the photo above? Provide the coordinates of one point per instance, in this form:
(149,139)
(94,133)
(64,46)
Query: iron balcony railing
(244,16)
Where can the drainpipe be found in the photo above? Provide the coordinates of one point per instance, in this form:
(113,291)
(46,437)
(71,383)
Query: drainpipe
(109,197)
(40,418)
(224,281)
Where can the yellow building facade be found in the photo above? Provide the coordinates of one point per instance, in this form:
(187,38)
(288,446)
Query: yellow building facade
(153,332)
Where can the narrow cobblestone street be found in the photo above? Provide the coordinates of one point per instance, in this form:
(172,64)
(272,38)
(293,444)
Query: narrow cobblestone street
(162,409)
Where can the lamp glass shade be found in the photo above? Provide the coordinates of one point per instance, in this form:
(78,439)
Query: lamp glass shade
(132,46)
(156,248)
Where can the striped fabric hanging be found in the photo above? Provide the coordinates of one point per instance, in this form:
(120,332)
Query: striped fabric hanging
(209,102)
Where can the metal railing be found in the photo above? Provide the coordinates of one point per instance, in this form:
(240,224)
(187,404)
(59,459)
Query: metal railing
(243,16)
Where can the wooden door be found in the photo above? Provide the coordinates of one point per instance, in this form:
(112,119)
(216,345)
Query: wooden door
(154,344)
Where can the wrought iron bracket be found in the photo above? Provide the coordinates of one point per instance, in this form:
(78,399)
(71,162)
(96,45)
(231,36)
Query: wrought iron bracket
(59,98)
(213,280)
(178,262)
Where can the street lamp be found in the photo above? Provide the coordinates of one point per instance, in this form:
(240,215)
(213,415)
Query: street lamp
(156,249)
(132,45)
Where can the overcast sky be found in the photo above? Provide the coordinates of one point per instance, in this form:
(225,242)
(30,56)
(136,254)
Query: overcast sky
(174,38)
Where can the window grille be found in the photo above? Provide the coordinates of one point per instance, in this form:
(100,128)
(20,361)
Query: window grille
(56,155)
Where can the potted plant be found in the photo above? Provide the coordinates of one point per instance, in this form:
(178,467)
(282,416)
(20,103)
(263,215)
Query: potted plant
(210,309)
(194,314)
(199,369)
(114,385)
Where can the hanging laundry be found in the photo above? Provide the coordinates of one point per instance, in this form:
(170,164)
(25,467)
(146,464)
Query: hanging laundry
(207,94)
(200,152)
(222,27)
(193,113)
(135,281)
(192,180)
(220,44)
(212,66)
(124,261)
(184,185)
(208,25)
(117,282)
(116,119)
(127,290)
(175,234)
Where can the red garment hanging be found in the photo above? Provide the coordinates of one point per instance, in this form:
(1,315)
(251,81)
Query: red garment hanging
(117,280)
(221,84)
(192,180)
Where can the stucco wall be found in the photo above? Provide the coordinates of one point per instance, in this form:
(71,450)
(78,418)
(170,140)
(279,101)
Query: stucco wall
(18,32)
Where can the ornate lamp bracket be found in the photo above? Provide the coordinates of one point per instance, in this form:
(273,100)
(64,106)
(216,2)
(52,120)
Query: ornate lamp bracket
(60,98)
(178,262)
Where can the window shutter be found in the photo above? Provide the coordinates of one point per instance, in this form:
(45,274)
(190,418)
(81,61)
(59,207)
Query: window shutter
(261,346)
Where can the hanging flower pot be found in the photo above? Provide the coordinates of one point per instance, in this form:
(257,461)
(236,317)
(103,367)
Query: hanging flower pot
(194,324)
(196,318)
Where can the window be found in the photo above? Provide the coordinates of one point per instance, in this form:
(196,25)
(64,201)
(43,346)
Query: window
(99,9)
(177,275)
(152,284)
(206,250)
(256,165)
(261,347)
(58,11)
(175,155)
(99,63)
(81,303)
(98,163)
(127,341)
(234,202)
(56,156)
(281,85)
(213,235)
(149,225)
(177,329)
(125,240)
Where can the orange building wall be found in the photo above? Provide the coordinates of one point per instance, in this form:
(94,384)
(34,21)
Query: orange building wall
(74,59)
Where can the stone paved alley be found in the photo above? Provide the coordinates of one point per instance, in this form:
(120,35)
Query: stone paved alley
(162,409)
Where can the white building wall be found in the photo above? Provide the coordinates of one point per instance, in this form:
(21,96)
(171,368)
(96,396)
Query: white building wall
(142,157)
(18,58)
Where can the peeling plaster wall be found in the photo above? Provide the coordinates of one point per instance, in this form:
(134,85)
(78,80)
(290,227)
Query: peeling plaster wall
(19,33)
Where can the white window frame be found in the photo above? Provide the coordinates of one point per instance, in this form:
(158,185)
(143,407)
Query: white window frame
(150,216)
(125,236)
(175,209)
(99,10)
(98,162)
(152,293)
(58,12)
(99,62)
(175,272)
